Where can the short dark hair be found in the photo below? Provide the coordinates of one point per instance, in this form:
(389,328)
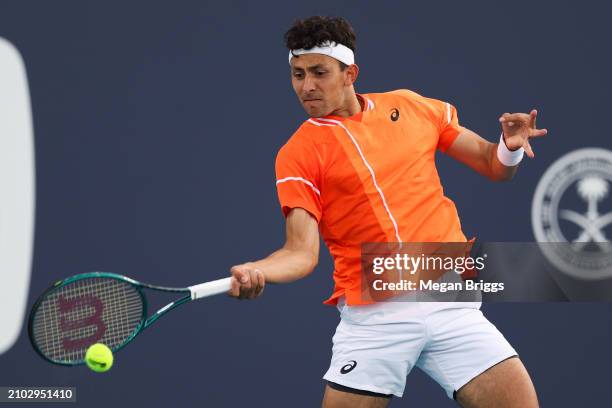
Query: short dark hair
(316,30)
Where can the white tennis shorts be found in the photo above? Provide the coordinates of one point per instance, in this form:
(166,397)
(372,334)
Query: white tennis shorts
(376,346)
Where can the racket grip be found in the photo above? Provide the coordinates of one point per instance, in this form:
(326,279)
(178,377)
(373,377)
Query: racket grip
(211,288)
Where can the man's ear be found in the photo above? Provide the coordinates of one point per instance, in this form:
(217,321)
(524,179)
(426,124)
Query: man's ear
(351,74)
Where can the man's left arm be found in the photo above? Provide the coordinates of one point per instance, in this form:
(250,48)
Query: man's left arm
(493,160)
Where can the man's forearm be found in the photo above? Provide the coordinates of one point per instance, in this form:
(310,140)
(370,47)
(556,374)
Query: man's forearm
(296,259)
(286,265)
(481,155)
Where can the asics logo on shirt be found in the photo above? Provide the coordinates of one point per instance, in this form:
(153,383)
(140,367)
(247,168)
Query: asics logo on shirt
(394,114)
(347,368)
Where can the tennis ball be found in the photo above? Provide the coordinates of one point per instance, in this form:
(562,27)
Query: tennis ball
(99,358)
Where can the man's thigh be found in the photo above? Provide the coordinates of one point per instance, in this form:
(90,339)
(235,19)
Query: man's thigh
(336,398)
(462,345)
(505,385)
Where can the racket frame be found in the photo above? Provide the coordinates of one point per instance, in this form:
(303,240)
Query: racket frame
(144,321)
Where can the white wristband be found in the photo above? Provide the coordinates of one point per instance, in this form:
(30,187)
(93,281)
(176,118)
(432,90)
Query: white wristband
(506,156)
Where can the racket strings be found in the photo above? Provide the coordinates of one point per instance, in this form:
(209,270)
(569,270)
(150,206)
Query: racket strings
(84,312)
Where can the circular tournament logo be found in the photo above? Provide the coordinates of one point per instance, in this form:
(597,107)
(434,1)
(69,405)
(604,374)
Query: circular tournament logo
(571,214)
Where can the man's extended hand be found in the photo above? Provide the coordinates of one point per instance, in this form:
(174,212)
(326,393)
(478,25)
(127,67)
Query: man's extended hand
(247,282)
(518,128)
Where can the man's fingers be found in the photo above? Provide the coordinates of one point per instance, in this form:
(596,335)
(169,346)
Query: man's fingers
(247,282)
(514,117)
(262,279)
(246,285)
(239,273)
(261,282)
(235,287)
(256,284)
(529,150)
(521,125)
(252,289)
(520,117)
(241,282)
(537,132)
(532,118)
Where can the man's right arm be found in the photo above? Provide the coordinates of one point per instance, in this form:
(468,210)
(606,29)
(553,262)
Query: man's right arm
(295,260)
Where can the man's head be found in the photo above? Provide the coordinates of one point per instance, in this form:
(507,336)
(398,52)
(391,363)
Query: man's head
(323,84)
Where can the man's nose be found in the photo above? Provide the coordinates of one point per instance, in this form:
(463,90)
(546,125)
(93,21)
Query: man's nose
(309,83)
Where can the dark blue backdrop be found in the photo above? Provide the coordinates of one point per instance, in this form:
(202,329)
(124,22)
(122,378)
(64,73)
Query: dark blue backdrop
(157,125)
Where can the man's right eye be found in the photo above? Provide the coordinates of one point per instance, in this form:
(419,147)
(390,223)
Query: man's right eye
(298,75)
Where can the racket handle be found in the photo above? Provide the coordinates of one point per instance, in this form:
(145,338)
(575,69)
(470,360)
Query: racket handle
(211,288)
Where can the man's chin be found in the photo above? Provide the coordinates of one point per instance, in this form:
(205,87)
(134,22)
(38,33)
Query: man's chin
(315,113)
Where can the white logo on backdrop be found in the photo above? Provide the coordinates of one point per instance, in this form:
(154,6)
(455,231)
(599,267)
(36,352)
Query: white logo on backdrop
(572,204)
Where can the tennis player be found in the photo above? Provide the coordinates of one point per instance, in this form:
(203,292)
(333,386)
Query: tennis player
(361,169)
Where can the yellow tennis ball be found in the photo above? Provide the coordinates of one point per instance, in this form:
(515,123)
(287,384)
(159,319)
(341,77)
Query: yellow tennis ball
(99,358)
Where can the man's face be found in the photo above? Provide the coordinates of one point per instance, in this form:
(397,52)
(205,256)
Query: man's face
(319,83)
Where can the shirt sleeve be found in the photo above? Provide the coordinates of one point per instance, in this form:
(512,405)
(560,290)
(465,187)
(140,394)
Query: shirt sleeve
(442,114)
(298,179)
(449,127)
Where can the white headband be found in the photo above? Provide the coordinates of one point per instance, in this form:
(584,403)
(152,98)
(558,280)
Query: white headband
(338,51)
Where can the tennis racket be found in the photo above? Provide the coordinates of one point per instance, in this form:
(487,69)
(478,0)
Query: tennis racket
(99,307)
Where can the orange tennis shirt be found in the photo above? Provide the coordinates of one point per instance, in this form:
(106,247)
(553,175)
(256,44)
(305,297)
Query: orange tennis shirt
(371,177)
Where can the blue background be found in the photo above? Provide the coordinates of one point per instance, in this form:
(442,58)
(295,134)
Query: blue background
(157,125)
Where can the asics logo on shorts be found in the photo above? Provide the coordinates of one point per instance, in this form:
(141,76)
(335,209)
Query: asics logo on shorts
(347,368)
